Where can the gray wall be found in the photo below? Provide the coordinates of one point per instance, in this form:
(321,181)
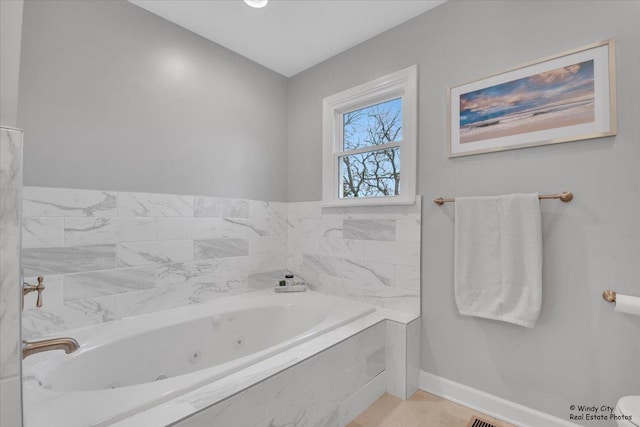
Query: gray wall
(10,36)
(116,98)
(580,351)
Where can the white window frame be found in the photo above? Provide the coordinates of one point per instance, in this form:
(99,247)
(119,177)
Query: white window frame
(401,84)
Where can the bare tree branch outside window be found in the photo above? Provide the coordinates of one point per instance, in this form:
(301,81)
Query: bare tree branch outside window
(377,172)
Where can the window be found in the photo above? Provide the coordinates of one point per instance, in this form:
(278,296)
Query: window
(369,137)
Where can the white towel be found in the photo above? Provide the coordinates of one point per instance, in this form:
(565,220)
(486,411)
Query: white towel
(498,257)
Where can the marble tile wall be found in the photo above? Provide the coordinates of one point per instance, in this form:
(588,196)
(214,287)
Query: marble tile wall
(107,255)
(402,356)
(10,196)
(320,391)
(413,348)
(369,254)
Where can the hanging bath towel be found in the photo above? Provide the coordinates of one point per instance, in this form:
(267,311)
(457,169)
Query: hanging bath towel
(498,257)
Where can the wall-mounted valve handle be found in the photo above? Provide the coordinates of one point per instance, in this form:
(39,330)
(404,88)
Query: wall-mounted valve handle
(27,289)
(40,288)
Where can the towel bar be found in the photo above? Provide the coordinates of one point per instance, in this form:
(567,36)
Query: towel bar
(565,196)
(609,296)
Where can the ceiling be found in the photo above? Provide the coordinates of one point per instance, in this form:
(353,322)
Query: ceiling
(288,36)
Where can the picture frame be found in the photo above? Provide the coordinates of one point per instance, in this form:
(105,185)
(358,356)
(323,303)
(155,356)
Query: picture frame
(566,97)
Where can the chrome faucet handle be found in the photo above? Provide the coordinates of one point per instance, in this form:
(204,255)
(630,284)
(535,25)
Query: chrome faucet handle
(28,288)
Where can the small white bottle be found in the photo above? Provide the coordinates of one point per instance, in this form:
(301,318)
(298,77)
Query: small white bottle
(289,279)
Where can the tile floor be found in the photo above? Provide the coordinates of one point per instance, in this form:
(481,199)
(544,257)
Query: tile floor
(421,410)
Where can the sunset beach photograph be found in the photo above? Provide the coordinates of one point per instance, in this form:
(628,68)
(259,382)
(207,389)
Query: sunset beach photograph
(553,99)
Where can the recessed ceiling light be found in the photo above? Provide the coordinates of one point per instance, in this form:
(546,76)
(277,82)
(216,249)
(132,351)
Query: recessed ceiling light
(256,3)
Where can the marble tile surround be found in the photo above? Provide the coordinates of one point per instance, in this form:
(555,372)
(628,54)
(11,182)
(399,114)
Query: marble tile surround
(369,254)
(319,391)
(402,356)
(10,196)
(108,254)
(10,186)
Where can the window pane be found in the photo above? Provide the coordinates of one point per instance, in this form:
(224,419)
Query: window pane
(374,125)
(370,174)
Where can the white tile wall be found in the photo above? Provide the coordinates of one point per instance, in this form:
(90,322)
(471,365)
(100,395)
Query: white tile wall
(63,202)
(398,253)
(370,272)
(370,254)
(369,229)
(98,231)
(402,356)
(396,359)
(156,252)
(68,259)
(221,208)
(10,188)
(107,255)
(42,232)
(94,284)
(131,253)
(154,205)
(413,348)
(220,248)
(191,228)
(314,392)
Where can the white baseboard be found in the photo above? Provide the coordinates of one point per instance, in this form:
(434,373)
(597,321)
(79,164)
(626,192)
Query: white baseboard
(489,404)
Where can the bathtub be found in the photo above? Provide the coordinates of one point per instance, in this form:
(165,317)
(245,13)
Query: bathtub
(128,366)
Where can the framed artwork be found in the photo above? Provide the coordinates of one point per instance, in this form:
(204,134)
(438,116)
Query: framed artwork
(566,97)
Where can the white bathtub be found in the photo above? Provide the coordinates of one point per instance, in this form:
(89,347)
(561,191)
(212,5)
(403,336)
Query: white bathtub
(131,365)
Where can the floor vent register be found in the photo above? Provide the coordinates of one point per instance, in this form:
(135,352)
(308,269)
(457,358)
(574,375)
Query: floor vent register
(479,422)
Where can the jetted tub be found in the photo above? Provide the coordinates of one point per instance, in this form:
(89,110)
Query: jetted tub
(131,365)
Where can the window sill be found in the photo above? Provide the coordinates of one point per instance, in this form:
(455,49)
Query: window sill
(370,201)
